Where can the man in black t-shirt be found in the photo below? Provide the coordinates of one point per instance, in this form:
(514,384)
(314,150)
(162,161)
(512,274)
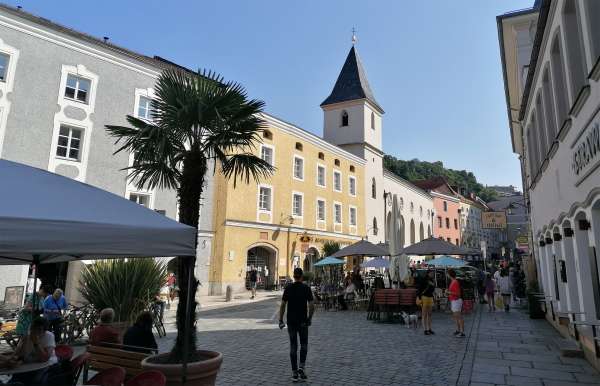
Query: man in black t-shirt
(300,308)
(253,278)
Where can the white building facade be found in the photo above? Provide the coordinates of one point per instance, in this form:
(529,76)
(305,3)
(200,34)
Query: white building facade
(554,114)
(58,90)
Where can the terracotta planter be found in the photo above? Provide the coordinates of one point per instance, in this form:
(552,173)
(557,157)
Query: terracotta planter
(201,373)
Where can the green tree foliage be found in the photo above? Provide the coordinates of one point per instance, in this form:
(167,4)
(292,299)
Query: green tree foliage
(330,247)
(415,169)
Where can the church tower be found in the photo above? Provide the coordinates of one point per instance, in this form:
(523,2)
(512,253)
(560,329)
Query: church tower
(352,115)
(353,121)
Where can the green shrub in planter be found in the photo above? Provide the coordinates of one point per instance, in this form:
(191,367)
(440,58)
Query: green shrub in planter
(309,277)
(127,286)
(535,307)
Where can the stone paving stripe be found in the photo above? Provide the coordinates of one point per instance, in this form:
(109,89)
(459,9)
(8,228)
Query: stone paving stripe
(514,380)
(547,374)
(532,358)
(497,379)
(502,362)
(492,369)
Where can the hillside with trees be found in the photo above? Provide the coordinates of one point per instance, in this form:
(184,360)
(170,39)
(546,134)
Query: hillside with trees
(415,169)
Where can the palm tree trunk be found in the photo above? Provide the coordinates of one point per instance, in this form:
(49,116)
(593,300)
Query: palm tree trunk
(190,191)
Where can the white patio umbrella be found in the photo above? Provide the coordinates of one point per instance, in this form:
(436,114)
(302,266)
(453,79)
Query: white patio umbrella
(394,242)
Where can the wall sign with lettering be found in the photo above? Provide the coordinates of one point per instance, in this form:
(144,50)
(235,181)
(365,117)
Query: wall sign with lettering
(585,157)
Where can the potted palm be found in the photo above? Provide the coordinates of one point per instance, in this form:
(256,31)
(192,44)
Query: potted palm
(198,120)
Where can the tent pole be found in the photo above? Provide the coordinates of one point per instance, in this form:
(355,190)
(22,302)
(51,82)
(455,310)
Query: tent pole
(36,261)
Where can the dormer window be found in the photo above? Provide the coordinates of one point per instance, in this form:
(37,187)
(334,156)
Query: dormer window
(336,162)
(267,135)
(321,156)
(344,118)
(372,120)
(298,146)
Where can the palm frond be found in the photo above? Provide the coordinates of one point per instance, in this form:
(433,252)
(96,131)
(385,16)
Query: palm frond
(245,167)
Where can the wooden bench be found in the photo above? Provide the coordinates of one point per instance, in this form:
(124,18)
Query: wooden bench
(103,357)
(391,301)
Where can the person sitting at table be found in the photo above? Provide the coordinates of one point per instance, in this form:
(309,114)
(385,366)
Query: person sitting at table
(29,311)
(105,332)
(37,347)
(139,337)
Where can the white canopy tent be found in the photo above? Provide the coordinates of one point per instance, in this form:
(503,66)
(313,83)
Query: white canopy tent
(46,218)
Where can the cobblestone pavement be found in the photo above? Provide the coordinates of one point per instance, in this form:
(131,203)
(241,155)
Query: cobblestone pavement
(344,348)
(511,349)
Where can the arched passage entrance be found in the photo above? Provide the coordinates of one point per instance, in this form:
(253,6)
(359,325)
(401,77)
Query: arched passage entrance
(263,258)
(310,258)
(402,230)
(388,227)
(421,232)
(412,231)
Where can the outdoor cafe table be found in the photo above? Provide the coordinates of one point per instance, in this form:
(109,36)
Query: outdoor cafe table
(24,368)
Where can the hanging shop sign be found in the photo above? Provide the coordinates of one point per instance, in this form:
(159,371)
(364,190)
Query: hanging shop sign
(493,220)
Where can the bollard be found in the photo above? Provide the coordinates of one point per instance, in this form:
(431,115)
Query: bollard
(228,293)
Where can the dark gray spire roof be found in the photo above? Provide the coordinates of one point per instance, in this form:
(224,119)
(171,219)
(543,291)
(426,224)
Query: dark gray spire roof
(352,83)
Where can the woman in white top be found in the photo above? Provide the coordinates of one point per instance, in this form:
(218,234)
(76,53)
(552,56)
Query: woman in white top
(36,347)
(505,287)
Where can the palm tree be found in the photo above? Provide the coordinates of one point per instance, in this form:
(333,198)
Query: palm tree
(198,120)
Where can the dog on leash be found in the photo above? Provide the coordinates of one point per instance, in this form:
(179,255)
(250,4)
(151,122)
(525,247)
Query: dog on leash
(410,320)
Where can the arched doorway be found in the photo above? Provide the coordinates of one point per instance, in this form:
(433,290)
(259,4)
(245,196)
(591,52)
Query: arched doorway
(402,231)
(388,227)
(428,230)
(421,232)
(263,259)
(412,231)
(310,258)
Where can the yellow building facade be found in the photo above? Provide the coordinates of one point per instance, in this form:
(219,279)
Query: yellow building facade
(275,225)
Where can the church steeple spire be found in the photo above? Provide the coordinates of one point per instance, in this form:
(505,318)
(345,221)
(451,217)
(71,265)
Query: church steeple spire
(352,83)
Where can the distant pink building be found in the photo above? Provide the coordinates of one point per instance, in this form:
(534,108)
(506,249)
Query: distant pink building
(446,204)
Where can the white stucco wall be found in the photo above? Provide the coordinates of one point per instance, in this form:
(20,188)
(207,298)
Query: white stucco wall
(15,275)
(407,194)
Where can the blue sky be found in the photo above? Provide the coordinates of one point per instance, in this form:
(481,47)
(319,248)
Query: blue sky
(433,65)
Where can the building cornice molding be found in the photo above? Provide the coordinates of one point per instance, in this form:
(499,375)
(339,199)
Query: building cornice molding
(407,184)
(444,196)
(295,229)
(312,138)
(85,48)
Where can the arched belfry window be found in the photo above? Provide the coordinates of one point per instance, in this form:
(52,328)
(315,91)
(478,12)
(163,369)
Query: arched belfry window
(373,189)
(372,120)
(344,118)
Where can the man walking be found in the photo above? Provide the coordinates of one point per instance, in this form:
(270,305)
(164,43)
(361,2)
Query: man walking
(456,303)
(300,308)
(253,276)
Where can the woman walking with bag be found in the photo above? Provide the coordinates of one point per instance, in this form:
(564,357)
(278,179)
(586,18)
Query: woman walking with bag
(490,287)
(505,287)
